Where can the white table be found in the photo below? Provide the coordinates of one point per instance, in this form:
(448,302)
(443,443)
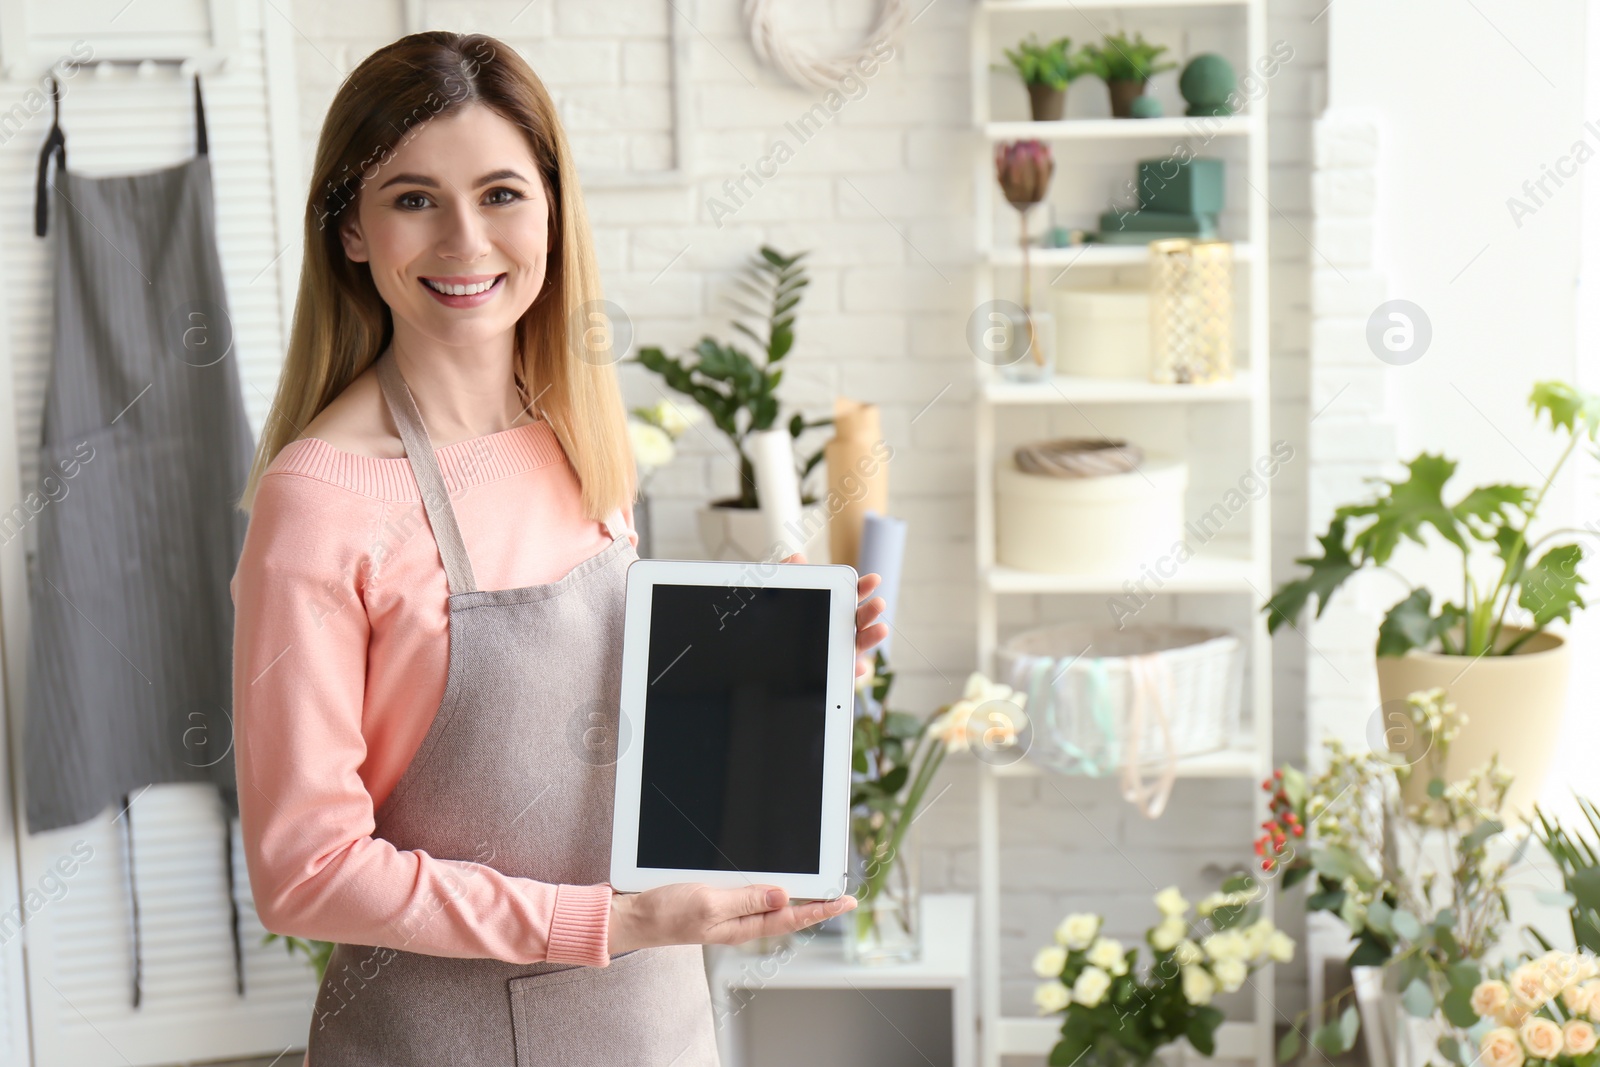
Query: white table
(816,962)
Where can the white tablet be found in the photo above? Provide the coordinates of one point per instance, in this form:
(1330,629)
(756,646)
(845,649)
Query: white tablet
(734,744)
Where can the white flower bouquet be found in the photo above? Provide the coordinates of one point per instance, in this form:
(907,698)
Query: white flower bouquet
(1113,1015)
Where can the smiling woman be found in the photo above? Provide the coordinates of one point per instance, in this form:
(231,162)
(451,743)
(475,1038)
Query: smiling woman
(429,601)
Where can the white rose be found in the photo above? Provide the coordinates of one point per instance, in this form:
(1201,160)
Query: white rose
(1542,1038)
(652,447)
(1253,938)
(1167,935)
(1198,985)
(1224,944)
(1578,1036)
(1588,966)
(1077,931)
(1171,902)
(1230,974)
(1489,998)
(674,419)
(1049,961)
(1280,947)
(1091,985)
(1500,1048)
(1051,996)
(1187,952)
(1106,953)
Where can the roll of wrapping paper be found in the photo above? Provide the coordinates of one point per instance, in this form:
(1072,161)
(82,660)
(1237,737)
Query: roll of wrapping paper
(777,491)
(883,551)
(858,481)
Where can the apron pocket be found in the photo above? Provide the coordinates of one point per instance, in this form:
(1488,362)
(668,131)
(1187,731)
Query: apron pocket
(649,1008)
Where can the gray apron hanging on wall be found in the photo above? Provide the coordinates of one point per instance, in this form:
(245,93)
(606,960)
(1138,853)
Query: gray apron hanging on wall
(130,660)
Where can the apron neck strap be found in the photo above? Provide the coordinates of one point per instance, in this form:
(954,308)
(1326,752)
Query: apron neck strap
(55,143)
(430,480)
(200,145)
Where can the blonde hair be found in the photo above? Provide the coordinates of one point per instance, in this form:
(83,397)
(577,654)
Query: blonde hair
(341,323)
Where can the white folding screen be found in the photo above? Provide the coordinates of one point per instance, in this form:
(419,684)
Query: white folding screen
(71,985)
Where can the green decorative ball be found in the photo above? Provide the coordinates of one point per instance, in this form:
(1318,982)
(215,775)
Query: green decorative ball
(1145,107)
(1206,83)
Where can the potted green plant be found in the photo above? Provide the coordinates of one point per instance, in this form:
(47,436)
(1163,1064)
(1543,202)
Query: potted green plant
(1115,1016)
(1490,650)
(1126,65)
(1046,70)
(739,393)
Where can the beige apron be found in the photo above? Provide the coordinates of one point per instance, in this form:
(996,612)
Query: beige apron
(509,776)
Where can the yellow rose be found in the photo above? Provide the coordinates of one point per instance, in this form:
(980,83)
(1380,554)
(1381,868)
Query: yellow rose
(1576,998)
(1500,1048)
(1512,1015)
(1490,998)
(1542,1037)
(1091,985)
(1198,985)
(1578,1036)
(1530,986)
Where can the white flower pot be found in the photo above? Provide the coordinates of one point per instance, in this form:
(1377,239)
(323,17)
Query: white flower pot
(739,534)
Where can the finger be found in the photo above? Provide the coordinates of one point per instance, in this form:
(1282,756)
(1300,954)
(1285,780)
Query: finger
(798,557)
(872,636)
(866,584)
(756,899)
(867,614)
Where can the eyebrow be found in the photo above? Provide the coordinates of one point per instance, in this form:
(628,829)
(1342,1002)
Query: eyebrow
(424,180)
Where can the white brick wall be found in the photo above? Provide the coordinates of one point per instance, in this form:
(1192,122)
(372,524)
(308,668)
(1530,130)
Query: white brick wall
(882,197)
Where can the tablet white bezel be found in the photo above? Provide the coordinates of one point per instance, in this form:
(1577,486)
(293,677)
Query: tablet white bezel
(833,864)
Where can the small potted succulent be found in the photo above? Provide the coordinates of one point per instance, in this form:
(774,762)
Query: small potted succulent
(1046,70)
(1126,65)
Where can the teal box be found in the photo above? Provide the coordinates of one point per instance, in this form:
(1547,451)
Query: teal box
(1164,223)
(1184,188)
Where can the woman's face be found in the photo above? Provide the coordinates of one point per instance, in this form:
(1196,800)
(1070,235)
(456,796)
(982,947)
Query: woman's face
(454,227)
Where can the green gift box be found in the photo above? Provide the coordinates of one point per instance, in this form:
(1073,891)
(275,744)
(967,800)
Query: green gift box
(1161,223)
(1193,187)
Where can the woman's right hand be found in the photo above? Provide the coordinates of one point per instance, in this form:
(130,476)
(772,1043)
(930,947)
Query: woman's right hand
(693,913)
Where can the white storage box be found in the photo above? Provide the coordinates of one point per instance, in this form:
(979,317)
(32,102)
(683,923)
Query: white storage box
(1103,333)
(1109,525)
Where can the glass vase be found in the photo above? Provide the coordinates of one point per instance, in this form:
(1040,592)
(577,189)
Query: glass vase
(886,924)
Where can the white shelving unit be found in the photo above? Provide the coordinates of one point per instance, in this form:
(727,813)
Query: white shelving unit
(946,963)
(1246,572)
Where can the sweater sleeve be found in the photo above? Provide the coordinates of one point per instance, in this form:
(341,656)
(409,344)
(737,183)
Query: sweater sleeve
(316,871)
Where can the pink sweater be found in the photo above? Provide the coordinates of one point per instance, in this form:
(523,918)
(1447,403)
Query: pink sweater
(340,651)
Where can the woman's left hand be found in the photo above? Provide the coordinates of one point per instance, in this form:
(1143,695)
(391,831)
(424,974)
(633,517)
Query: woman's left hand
(869,631)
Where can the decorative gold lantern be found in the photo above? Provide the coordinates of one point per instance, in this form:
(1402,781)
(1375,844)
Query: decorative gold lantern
(1191,311)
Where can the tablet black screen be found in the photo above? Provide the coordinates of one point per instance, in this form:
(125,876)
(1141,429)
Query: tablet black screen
(735,710)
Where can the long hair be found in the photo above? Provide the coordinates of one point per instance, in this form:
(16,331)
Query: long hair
(341,323)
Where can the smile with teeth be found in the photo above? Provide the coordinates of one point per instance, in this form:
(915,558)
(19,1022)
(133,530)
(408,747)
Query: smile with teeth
(449,289)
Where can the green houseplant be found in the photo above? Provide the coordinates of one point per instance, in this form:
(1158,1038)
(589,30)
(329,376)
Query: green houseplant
(1126,65)
(1577,856)
(1490,648)
(739,391)
(1046,70)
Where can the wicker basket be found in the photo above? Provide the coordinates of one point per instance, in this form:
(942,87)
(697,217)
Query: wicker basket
(1102,701)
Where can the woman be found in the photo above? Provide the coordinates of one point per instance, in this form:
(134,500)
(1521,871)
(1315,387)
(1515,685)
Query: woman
(429,604)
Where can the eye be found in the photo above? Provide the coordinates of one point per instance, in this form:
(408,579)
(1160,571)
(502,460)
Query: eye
(400,201)
(512,196)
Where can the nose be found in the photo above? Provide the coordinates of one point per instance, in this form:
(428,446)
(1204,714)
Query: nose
(466,232)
